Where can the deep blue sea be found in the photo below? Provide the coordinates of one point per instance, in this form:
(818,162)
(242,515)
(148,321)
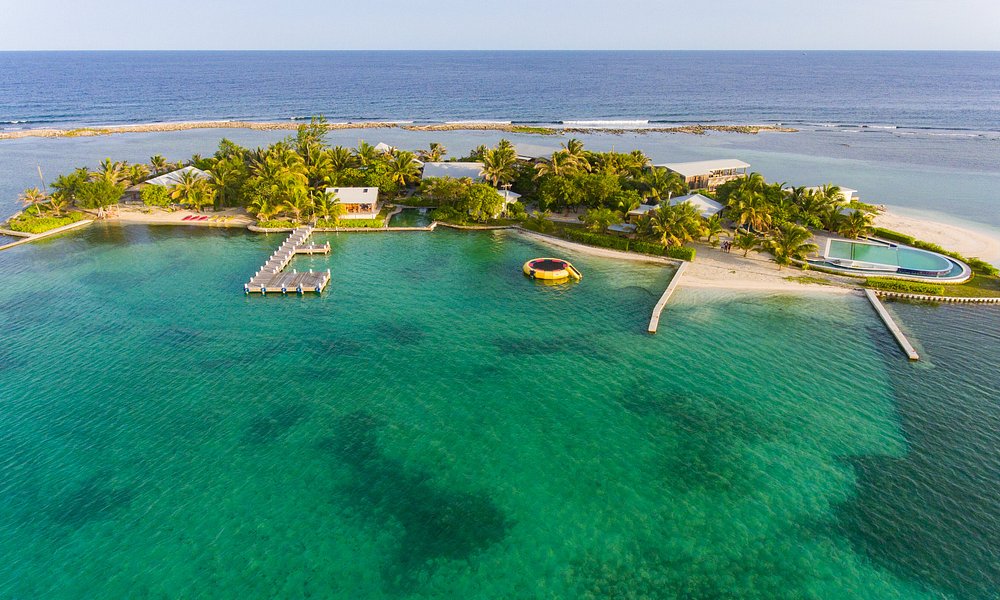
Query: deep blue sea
(933,90)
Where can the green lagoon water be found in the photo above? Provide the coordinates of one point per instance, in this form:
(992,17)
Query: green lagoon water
(436,425)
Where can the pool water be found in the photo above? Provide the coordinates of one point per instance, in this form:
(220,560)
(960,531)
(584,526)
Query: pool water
(411,217)
(910,259)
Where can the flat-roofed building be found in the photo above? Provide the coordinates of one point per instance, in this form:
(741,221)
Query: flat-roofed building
(708,174)
(358,202)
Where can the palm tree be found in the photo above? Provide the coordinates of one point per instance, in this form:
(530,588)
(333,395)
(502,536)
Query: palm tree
(676,224)
(712,230)
(662,182)
(574,148)
(749,208)
(434,153)
(58,202)
(599,219)
(263,208)
(32,197)
(111,172)
(366,153)
(340,158)
(137,172)
(403,168)
(186,190)
(747,242)
(298,204)
(855,224)
(790,242)
(561,163)
(158,164)
(498,165)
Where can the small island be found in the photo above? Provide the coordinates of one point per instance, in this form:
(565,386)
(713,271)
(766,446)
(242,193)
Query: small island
(616,201)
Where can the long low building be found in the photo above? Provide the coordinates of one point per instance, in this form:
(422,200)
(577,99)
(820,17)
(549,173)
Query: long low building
(706,206)
(708,174)
(846,194)
(358,202)
(167,180)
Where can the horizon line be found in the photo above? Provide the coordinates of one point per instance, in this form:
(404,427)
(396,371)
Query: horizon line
(803,50)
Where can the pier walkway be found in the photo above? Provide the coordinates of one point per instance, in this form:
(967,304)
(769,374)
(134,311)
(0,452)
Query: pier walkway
(654,321)
(890,324)
(272,278)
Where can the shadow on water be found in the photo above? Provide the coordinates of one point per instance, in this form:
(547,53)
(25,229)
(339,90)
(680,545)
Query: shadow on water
(711,436)
(94,498)
(272,424)
(586,344)
(437,523)
(933,515)
(403,334)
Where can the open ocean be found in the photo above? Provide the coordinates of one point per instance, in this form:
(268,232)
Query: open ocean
(924,90)
(435,425)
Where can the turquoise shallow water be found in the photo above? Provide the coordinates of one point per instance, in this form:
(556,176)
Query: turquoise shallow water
(438,426)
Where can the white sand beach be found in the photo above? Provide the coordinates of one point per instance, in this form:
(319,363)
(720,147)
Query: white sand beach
(233,217)
(964,240)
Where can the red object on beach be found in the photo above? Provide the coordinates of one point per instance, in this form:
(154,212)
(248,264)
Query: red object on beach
(188,218)
(205,218)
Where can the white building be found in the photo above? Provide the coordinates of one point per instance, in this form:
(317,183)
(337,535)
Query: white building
(846,194)
(166,180)
(706,206)
(358,202)
(708,174)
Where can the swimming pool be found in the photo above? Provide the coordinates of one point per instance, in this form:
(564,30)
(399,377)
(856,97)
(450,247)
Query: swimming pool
(865,257)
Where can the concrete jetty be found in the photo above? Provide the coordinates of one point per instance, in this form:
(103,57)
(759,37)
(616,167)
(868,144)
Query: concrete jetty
(654,321)
(27,238)
(272,278)
(890,324)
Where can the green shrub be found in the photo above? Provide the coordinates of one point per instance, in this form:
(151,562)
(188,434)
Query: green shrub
(893,236)
(901,285)
(978,265)
(447,214)
(982,267)
(154,195)
(627,245)
(276,224)
(681,252)
(37,224)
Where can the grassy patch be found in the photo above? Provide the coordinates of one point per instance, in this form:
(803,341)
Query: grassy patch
(40,224)
(980,286)
(365,223)
(808,280)
(276,224)
(889,284)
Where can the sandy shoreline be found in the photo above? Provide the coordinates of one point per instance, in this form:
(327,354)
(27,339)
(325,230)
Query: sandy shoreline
(52,132)
(716,269)
(964,240)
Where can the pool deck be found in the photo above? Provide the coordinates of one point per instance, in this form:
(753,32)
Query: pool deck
(654,320)
(890,324)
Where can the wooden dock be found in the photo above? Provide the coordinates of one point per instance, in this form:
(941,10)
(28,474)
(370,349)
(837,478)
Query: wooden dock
(890,324)
(272,278)
(654,321)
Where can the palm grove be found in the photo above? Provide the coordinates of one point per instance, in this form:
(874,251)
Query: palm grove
(287,183)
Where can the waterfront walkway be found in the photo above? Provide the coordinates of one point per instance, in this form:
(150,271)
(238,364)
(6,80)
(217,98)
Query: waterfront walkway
(272,278)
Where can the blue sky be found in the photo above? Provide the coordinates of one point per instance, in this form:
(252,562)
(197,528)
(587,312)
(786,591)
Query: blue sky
(507,24)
